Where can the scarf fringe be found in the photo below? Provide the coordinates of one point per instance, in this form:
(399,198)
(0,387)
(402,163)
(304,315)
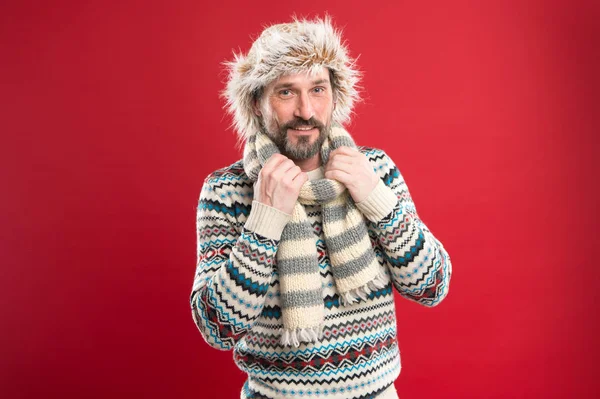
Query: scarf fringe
(294,337)
(297,335)
(356,294)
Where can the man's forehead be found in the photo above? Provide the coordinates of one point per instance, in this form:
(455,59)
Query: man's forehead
(306,77)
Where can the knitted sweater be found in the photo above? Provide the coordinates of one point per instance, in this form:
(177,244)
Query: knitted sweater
(235,296)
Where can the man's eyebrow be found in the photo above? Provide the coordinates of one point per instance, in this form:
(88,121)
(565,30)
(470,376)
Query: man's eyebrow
(288,85)
(282,86)
(320,81)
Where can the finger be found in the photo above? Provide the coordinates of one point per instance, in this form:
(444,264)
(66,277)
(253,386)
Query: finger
(341,165)
(281,170)
(343,155)
(341,159)
(287,166)
(293,172)
(300,179)
(273,161)
(347,168)
(339,175)
(345,150)
(276,159)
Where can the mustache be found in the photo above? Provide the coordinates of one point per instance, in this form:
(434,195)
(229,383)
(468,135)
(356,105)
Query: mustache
(299,122)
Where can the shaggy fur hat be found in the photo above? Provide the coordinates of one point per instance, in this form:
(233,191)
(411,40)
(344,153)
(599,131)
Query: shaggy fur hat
(289,48)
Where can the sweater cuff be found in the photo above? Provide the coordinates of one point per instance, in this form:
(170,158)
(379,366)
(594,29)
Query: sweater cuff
(267,221)
(380,203)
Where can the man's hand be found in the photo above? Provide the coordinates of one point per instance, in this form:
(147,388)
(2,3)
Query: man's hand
(352,168)
(279,182)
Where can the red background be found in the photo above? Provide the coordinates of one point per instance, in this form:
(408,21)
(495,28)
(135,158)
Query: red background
(110,120)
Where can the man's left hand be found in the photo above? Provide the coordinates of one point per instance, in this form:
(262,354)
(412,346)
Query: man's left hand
(352,168)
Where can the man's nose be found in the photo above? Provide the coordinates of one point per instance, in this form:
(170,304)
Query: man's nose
(304,107)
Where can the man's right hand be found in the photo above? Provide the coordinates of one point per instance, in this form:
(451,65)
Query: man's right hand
(279,182)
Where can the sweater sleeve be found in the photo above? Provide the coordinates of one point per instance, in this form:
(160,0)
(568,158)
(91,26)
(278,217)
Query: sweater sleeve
(234,270)
(418,263)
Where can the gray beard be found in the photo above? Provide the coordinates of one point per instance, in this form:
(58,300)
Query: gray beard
(303,149)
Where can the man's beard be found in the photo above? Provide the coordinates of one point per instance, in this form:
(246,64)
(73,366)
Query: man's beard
(302,149)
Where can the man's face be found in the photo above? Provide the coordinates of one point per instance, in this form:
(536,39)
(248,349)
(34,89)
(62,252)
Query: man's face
(296,113)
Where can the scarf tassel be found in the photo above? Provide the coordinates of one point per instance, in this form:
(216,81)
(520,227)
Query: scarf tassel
(296,336)
(356,294)
(314,334)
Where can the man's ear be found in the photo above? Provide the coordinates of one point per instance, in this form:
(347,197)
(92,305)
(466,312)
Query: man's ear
(255,107)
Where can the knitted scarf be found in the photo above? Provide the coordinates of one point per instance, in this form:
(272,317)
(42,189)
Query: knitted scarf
(355,269)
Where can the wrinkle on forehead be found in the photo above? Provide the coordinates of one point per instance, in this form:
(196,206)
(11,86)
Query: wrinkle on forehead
(317,75)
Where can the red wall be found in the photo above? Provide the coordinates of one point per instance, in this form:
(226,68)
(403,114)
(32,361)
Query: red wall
(110,120)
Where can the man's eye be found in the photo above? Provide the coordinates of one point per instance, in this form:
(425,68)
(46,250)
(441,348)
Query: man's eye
(319,89)
(285,92)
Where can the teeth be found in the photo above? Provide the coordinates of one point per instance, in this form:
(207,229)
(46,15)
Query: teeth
(305,128)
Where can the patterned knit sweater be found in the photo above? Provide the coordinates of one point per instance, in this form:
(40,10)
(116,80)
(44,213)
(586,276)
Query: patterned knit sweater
(235,296)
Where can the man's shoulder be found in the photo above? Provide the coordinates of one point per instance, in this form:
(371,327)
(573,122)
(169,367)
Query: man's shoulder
(382,163)
(374,155)
(228,189)
(228,183)
(226,193)
(233,174)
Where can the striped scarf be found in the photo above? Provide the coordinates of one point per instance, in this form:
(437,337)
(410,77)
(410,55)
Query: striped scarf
(355,269)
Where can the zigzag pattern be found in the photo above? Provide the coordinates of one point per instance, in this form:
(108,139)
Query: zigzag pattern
(381,304)
(332,335)
(425,280)
(354,357)
(261,255)
(219,332)
(231,304)
(437,290)
(330,301)
(212,258)
(409,255)
(246,283)
(235,299)
(366,383)
(234,209)
(385,365)
(228,313)
(385,302)
(397,244)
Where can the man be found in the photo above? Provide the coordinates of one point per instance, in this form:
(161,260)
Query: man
(301,241)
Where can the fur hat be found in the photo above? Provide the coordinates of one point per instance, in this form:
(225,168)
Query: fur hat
(289,48)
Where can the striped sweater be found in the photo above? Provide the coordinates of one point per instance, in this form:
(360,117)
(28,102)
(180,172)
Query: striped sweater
(235,296)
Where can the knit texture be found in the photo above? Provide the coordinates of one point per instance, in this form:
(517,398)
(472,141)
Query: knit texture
(355,270)
(236,296)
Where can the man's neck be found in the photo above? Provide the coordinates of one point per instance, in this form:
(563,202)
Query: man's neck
(309,164)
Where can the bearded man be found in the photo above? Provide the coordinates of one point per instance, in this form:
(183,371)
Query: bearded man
(301,242)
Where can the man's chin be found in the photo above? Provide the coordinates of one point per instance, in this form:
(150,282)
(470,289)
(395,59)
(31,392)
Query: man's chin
(301,152)
(302,144)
